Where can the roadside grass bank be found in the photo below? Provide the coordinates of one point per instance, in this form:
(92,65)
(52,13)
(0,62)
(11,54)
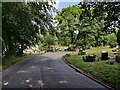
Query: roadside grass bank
(106,73)
(11,60)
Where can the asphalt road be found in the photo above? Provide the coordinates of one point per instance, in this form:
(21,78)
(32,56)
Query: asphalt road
(45,71)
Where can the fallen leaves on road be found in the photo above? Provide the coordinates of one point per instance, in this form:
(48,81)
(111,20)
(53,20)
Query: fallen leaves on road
(6,83)
(30,85)
(28,80)
(40,82)
(62,81)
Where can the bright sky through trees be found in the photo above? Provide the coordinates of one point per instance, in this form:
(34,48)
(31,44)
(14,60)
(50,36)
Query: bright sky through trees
(66,3)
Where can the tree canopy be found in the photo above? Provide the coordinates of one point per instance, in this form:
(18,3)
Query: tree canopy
(22,24)
(88,23)
(83,25)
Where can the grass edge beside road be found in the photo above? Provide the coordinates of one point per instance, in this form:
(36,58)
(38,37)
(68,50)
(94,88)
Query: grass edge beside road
(88,68)
(9,61)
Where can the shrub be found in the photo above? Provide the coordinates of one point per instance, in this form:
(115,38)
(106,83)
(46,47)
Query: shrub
(112,45)
(112,40)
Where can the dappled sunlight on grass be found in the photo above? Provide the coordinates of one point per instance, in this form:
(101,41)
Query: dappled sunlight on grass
(98,50)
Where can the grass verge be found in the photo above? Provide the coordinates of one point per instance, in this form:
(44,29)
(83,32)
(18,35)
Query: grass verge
(106,73)
(8,61)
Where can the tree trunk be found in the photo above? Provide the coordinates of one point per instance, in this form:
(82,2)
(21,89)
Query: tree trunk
(72,38)
(20,52)
(77,37)
(118,37)
(10,48)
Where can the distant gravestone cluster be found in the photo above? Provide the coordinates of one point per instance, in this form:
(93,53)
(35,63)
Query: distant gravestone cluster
(93,57)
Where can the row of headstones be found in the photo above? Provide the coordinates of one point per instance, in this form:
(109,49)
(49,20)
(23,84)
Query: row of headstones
(92,57)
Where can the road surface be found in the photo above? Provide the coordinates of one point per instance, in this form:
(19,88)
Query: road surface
(45,71)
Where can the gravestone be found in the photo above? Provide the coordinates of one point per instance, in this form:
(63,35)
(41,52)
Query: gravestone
(89,58)
(104,55)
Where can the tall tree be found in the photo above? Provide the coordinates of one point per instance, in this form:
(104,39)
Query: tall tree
(76,22)
(22,23)
(113,16)
(112,11)
(67,22)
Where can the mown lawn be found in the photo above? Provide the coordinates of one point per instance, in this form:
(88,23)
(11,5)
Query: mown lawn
(97,51)
(106,73)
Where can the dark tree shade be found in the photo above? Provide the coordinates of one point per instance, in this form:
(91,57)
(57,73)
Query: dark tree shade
(118,37)
(22,23)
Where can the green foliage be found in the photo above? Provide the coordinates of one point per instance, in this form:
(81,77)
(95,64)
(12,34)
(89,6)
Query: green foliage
(47,42)
(88,23)
(22,23)
(67,20)
(110,8)
(112,40)
(77,24)
(111,11)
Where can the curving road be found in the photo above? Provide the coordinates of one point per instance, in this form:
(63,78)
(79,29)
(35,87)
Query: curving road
(45,71)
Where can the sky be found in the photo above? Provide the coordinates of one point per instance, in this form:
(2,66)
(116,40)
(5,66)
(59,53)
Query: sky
(66,3)
(60,4)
